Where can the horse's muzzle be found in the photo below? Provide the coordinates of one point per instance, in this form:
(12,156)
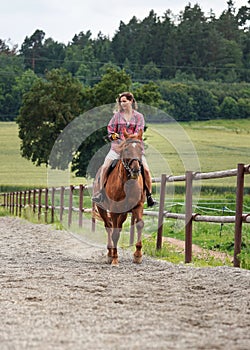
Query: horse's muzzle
(135,174)
(133,168)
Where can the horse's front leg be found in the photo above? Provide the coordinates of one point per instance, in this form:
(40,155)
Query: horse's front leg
(108,227)
(138,253)
(115,238)
(117,220)
(109,246)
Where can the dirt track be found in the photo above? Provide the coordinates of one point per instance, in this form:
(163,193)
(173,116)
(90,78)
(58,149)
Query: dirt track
(57,293)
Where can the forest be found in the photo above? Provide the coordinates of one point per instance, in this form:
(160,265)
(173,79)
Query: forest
(200,64)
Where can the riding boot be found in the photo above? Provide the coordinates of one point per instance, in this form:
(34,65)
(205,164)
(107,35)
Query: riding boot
(148,184)
(99,196)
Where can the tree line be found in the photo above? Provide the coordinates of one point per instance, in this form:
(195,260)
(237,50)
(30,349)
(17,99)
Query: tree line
(199,63)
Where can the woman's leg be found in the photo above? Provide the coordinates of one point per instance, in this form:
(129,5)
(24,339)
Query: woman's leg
(111,156)
(148,183)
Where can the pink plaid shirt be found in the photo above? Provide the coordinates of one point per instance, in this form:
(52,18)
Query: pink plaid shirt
(118,123)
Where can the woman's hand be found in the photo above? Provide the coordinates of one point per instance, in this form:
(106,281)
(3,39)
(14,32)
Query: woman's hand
(114,136)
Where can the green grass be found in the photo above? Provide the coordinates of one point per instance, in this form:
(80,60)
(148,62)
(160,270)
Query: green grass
(176,255)
(209,236)
(17,172)
(218,145)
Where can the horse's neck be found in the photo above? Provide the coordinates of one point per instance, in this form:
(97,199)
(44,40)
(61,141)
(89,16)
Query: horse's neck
(121,172)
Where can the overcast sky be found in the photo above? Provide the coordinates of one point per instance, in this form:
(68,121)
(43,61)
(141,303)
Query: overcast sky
(62,19)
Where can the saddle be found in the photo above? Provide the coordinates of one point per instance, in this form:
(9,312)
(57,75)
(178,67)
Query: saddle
(112,166)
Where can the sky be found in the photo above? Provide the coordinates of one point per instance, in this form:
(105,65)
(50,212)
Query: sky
(62,19)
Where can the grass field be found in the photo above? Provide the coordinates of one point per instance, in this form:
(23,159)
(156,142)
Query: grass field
(173,149)
(17,172)
(218,145)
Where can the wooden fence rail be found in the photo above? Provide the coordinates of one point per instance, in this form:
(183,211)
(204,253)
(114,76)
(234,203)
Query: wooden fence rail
(189,216)
(44,201)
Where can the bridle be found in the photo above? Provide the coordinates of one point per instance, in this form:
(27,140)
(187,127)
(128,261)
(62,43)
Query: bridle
(132,174)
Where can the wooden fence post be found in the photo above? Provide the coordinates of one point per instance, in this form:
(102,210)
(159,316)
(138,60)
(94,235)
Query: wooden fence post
(16,203)
(20,203)
(93,219)
(80,205)
(61,203)
(12,203)
(53,204)
(188,217)
(46,199)
(71,190)
(39,203)
(161,211)
(29,197)
(238,214)
(8,201)
(24,198)
(34,201)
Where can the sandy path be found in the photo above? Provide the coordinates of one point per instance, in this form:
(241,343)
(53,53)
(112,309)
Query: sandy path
(57,293)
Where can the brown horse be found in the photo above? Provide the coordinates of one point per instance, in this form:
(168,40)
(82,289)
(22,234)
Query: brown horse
(124,193)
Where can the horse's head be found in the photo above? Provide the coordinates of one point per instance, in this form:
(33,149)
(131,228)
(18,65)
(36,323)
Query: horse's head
(131,154)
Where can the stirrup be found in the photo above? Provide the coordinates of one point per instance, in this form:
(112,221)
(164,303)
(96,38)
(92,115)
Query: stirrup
(150,201)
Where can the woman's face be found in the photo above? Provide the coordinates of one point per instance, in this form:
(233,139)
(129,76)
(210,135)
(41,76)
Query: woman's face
(125,103)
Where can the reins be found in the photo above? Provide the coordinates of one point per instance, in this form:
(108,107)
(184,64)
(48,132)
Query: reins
(127,166)
(127,163)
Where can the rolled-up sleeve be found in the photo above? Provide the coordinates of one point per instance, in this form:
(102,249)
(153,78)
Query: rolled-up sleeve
(140,123)
(112,125)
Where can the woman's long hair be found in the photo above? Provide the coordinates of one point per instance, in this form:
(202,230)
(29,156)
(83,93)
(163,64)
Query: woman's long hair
(129,96)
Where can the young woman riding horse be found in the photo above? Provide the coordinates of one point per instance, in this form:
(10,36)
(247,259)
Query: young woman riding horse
(124,193)
(126,117)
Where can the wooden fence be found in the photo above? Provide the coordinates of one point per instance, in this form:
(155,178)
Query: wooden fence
(43,201)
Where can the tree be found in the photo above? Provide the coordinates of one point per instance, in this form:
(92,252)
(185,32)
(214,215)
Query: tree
(53,54)
(127,42)
(191,41)
(32,51)
(48,107)
(22,85)
(244,107)
(5,48)
(11,67)
(205,103)
(102,49)
(150,71)
(88,69)
(229,108)
(181,103)
(227,23)
(149,94)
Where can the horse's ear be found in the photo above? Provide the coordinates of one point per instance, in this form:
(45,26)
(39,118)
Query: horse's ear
(140,134)
(125,133)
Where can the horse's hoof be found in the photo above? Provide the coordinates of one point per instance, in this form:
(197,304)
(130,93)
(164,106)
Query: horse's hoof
(115,262)
(109,255)
(137,259)
(109,259)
